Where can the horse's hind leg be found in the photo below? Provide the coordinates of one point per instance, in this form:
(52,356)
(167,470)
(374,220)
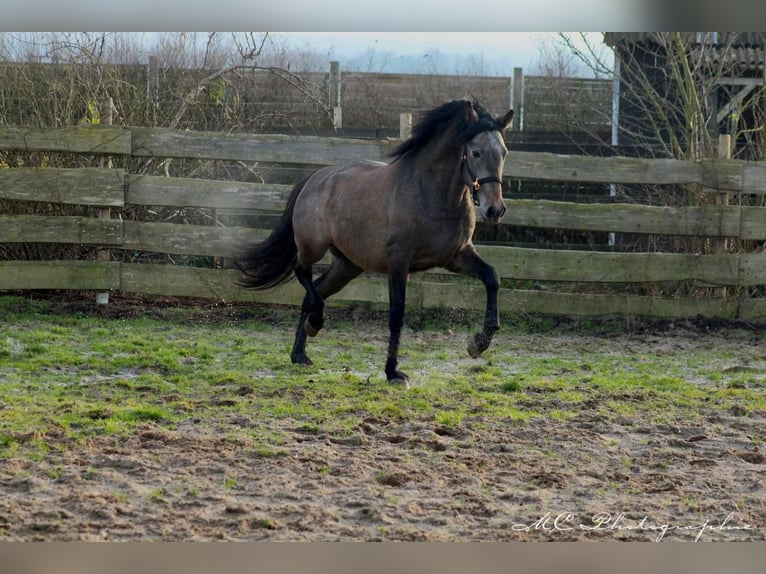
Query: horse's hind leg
(333,280)
(298,354)
(312,310)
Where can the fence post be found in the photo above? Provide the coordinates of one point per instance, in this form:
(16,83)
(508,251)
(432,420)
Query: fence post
(724,152)
(518,105)
(335,103)
(405,126)
(153,87)
(107,106)
(518,97)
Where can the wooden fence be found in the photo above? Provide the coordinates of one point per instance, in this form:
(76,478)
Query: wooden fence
(555,281)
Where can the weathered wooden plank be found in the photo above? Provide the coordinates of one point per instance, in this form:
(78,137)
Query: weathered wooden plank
(187,192)
(511,262)
(548,166)
(706,220)
(754,177)
(182,239)
(719,175)
(752,269)
(588,304)
(600,267)
(753,224)
(81,186)
(74,139)
(60,229)
(722,175)
(576,304)
(96,275)
(752,310)
(180,281)
(310,150)
(177,281)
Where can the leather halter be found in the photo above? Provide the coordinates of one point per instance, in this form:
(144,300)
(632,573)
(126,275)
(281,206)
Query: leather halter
(476,183)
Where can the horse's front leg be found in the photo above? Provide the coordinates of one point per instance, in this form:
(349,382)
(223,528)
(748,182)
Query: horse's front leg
(468,262)
(397,290)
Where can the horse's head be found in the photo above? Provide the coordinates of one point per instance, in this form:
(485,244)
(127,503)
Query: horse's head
(483,160)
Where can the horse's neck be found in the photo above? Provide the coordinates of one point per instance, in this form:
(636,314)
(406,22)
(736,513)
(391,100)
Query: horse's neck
(442,166)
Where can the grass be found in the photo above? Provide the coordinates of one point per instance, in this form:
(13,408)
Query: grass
(70,376)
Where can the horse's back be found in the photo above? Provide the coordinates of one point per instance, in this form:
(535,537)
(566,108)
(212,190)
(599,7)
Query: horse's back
(345,206)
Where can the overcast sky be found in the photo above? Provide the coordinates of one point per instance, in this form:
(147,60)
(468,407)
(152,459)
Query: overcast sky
(310,15)
(495,53)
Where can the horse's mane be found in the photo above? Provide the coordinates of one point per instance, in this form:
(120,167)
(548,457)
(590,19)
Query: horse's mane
(436,122)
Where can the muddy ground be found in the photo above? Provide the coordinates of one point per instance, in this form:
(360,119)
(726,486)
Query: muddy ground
(610,478)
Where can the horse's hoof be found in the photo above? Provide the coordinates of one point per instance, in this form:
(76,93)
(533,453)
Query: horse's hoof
(475,348)
(301,359)
(399,379)
(311,331)
(399,382)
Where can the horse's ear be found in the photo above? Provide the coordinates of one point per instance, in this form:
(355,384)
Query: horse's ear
(470,112)
(505,121)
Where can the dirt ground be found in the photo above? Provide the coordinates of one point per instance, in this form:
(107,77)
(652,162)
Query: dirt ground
(418,482)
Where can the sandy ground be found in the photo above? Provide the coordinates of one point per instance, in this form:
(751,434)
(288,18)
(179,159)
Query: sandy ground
(594,477)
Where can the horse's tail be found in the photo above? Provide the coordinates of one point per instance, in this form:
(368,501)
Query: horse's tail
(272,261)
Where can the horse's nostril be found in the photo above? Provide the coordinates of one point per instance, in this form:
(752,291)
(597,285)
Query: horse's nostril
(495,212)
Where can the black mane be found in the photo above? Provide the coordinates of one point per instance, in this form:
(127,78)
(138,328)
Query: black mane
(436,122)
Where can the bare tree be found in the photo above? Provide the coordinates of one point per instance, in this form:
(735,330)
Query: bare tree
(673,91)
(193,80)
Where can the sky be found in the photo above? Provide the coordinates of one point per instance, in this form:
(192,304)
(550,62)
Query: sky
(391,15)
(330,15)
(486,53)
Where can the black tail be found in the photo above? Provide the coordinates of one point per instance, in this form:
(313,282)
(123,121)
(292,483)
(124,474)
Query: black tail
(271,262)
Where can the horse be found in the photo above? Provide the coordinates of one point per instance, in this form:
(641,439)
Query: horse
(412,214)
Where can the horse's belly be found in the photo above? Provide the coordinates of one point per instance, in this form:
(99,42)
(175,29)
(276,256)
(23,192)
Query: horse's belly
(365,253)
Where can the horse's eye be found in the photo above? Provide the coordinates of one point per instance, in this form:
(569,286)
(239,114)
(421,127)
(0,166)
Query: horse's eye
(476,153)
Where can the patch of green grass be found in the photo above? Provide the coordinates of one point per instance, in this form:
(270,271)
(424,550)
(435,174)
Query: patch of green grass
(156,495)
(449,418)
(80,376)
(267,451)
(140,414)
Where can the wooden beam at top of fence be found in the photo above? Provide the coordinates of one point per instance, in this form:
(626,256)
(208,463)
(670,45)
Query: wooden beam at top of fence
(76,139)
(270,148)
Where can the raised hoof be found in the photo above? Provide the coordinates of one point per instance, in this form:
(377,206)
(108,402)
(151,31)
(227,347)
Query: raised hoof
(311,331)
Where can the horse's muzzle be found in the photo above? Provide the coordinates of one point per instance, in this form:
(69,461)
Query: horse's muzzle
(493,213)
